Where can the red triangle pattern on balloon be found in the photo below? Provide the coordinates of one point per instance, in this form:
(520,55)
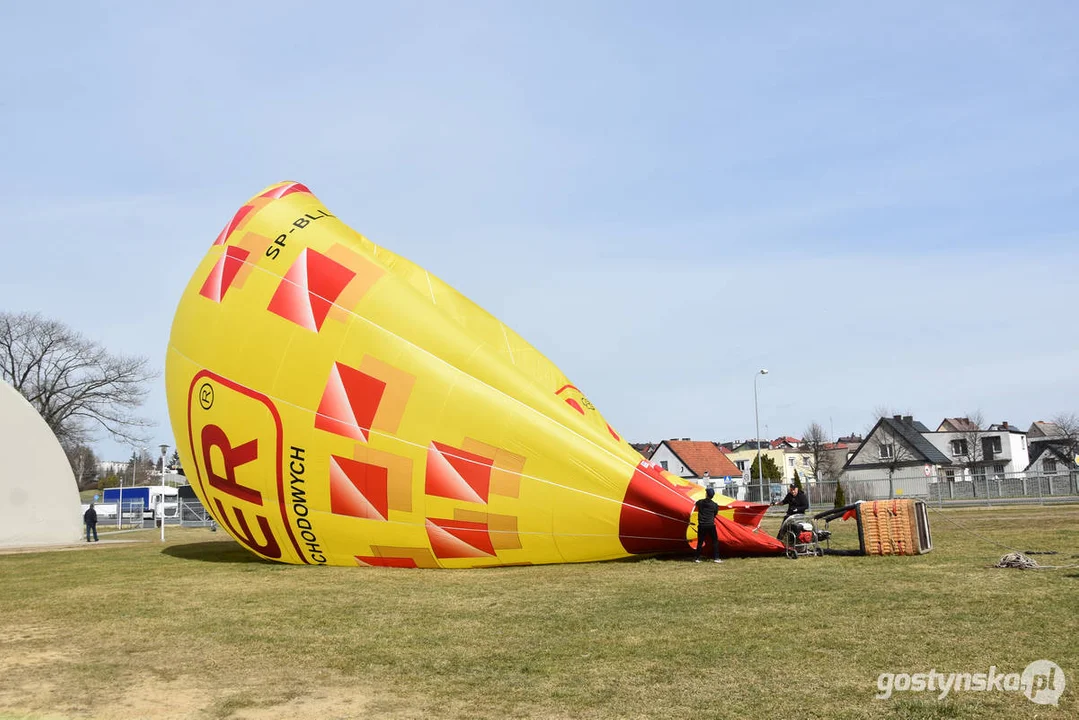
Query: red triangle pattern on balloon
(309,289)
(233,224)
(459,539)
(349,402)
(358,489)
(224,272)
(458,474)
(286,189)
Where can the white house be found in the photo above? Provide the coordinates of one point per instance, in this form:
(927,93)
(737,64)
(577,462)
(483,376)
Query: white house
(995,453)
(702,462)
(896,458)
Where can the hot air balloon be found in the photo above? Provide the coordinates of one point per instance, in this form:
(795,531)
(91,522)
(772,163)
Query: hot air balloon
(334,403)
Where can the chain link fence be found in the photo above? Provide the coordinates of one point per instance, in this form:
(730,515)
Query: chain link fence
(193,514)
(988,489)
(129,514)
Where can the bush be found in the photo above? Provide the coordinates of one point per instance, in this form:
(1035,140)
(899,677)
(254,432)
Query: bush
(840,495)
(108,482)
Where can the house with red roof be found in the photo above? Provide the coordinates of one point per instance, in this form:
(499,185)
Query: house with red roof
(697,460)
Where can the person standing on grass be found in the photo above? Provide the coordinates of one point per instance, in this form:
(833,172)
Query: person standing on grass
(90,518)
(707,509)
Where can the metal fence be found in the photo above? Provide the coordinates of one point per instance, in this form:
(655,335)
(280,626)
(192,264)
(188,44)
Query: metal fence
(991,489)
(193,514)
(129,516)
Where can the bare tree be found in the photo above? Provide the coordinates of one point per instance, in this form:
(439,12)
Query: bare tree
(1068,440)
(76,385)
(891,448)
(968,446)
(822,461)
(84,464)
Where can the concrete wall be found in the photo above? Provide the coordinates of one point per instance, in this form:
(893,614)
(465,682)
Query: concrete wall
(39,502)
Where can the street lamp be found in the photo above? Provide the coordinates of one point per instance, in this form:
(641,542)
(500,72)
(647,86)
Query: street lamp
(757,421)
(164,449)
(160,509)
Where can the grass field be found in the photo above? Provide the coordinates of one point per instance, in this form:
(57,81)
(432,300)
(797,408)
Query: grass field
(197,627)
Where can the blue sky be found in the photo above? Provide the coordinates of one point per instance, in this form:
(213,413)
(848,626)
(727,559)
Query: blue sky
(877,203)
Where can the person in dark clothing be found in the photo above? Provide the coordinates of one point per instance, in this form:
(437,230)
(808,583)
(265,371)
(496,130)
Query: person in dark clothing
(707,509)
(90,518)
(797,503)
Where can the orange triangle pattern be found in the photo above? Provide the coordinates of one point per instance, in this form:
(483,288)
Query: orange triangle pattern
(358,489)
(349,402)
(458,474)
(309,289)
(459,539)
(224,272)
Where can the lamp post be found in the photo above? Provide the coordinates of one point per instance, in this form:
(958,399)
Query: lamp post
(160,510)
(120,502)
(164,450)
(757,421)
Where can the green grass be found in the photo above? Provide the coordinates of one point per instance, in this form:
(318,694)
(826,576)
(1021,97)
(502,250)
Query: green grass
(207,630)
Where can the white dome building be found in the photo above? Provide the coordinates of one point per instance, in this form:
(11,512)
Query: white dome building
(39,501)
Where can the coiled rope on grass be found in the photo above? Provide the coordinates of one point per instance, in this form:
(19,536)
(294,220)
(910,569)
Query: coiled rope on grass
(1014,559)
(1020,561)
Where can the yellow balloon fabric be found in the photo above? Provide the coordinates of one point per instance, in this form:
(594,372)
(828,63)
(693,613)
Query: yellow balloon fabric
(334,403)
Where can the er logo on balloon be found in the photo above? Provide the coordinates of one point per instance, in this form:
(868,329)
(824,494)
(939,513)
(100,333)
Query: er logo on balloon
(236,441)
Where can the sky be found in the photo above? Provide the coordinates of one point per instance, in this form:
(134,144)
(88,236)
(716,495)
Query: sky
(876,202)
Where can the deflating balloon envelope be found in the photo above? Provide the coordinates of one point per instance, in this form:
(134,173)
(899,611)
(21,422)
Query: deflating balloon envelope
(337,404)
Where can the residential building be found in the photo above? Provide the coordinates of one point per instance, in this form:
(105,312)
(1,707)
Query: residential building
(1042,431)
(897,458)
(956,425)
(786,459)
(1054,469)
(1065,438)
(693,459)
(834,457)
(996,452)
(108,468)
(645,449)
(1050,459)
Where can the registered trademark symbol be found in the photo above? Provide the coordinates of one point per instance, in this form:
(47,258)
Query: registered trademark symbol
(206,396)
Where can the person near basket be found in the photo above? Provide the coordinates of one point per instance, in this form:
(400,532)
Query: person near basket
(707,509)
(797,503)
